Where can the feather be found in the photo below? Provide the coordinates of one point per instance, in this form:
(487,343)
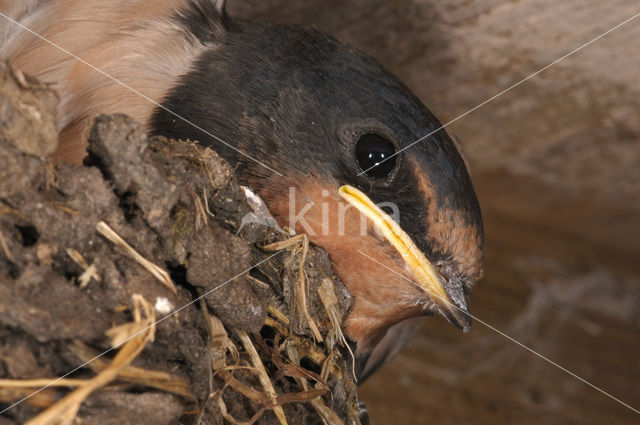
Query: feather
(103,57)
(390,346)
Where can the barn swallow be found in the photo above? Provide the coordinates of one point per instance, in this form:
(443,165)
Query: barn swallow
(311,124)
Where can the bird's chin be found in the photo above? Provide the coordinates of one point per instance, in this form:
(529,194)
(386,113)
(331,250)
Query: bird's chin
(383,346)
(427,307)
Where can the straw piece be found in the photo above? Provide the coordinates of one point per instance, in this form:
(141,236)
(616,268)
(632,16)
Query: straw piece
(90,271)
(201,214)
(134,337)
(329,417)
(262,375)
(301,290)
(155,270)
(136,375)
(327,294)
(5,248)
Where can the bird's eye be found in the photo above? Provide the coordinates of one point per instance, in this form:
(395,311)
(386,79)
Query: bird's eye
(375,155)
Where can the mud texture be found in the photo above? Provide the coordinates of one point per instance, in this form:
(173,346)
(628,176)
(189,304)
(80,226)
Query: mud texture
(63,284)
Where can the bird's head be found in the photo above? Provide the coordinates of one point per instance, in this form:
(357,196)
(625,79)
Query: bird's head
(323,114)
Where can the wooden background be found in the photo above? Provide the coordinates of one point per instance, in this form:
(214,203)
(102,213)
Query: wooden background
(556,163)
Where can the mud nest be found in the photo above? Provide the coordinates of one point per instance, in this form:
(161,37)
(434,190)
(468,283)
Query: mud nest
(132,292)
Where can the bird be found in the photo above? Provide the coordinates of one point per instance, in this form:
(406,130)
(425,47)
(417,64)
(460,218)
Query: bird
(321,131)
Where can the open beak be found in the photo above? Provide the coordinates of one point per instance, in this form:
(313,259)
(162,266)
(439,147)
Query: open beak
(448,295)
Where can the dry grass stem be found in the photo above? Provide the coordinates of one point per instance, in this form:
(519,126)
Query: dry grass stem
(77,258)
(206,202)
(64,208)
(329,417)
(309,351)
(85,277)
(301,288)
(5,248)
(158,272)
(42,399)
(262,375)
(37,383)
(201,214)
(90,271)
(327,294)
(280,316)
(5,209)
(133,336)
(135,375)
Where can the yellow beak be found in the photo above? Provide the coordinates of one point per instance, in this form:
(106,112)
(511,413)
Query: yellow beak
(425,275)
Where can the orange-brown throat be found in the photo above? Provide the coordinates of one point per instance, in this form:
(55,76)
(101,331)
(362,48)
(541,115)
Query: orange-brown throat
(381,296)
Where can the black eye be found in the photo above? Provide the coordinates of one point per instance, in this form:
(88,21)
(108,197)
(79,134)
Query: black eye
(372,151)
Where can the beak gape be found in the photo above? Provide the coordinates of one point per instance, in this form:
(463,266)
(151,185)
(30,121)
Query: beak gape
(447,294)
